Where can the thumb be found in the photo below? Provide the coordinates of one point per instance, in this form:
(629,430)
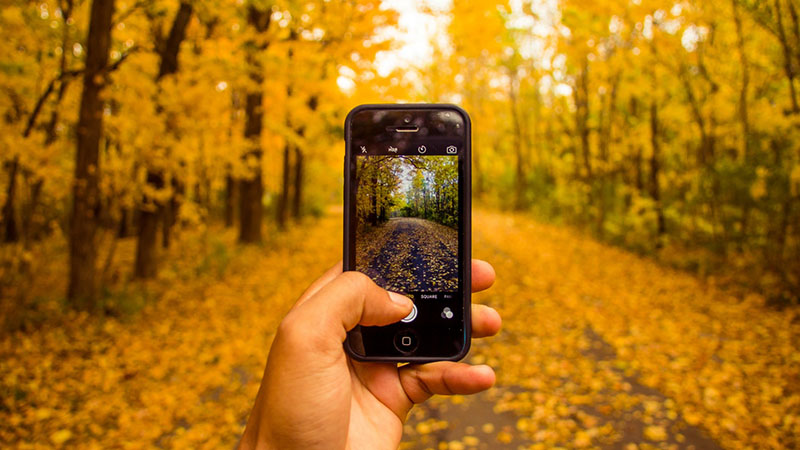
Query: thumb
(350,299)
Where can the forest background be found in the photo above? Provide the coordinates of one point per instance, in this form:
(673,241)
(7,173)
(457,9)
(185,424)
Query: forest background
(670,128)
(140,139)
(407,186)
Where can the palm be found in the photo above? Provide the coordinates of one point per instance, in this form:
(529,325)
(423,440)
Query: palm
(373,424)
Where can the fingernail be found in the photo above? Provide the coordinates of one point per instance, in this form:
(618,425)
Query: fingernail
(400,299)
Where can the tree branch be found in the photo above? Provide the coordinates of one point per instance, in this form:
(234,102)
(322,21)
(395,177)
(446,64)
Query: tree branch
(65,77)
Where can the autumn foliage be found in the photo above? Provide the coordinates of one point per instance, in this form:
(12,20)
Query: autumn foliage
(170,172)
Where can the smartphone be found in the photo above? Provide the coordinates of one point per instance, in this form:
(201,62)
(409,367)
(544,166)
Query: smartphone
(407,209)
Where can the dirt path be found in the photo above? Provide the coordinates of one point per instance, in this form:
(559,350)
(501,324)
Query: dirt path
(409,254)
(604,349)
(600,348)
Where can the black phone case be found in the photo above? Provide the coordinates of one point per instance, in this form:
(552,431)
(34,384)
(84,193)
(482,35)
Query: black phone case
(467,254)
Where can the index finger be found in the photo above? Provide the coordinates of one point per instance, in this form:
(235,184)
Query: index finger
(483,277)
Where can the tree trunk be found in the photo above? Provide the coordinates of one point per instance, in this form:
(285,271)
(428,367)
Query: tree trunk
(171,208)
(230,200)
(297,192)
(153,210)
(146,265)
(168,66)
(283,199)
(9,211)
(251,189)
(743,111)
(299,166)
(251,192)
(582,116)
(82,290)
(655,167)
(29,231)
(373,219)
(787,57)
(124,229)
(166,222)
(795,27)
(519,159)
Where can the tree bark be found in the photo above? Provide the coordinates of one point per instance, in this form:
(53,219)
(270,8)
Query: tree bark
(169,66)
(125,221)
(29,231)
(795,27)
(230,200)
(251,189)
(82,290)
(146,265)
(283,199)
(297,179)
(744,119)
(519,158)
(9,211)
(171,208)
(787,57)
(582,115)
(655,167)
(299,166)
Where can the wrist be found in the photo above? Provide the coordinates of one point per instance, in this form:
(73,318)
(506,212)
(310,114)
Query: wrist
(256,437)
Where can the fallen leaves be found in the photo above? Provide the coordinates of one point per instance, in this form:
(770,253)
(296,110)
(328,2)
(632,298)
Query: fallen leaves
(182,373)
(410,254)
(600,346)
(591,331)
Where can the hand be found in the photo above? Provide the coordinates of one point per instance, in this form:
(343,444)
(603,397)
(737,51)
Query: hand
(314,396)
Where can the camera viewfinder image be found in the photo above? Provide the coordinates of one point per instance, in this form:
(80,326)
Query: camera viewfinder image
(407,231)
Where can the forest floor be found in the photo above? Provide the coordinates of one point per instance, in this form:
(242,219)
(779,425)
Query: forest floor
(600,348)
(409,254)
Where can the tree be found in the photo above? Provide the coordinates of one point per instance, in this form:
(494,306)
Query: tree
(251,188)
(86,192)
(152,210)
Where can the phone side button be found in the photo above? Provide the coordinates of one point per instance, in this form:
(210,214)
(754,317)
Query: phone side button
(406,341)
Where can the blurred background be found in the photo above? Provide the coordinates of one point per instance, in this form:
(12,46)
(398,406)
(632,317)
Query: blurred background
(171,179)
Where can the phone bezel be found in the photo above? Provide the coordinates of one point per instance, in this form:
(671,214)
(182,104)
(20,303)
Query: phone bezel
(466,254)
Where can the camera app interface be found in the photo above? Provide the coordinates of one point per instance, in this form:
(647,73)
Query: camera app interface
(407,232)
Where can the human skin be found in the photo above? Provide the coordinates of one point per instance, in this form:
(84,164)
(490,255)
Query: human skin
(313,396)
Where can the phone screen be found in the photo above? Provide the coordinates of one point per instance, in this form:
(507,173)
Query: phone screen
(407,225)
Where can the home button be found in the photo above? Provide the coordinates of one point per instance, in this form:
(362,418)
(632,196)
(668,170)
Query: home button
(406,341)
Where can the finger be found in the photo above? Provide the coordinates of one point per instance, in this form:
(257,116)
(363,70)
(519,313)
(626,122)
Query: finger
(351,298)
(483,275)
(326,278)
(420,382)
(485,321)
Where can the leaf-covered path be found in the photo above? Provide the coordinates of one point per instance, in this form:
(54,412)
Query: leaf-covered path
(600,348)
(408,254)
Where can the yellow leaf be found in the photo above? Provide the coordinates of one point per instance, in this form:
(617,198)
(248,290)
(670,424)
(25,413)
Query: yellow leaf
(655,433)
(60,436)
